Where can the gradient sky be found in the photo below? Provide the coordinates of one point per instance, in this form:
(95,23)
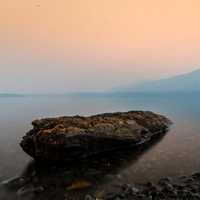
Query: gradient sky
(72,45)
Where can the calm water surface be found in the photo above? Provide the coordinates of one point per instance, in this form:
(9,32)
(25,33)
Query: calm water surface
(177,153)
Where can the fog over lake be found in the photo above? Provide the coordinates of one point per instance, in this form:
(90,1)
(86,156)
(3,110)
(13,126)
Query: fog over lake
(175,154)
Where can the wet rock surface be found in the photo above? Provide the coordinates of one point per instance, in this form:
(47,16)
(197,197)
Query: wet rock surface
(65,138)
(37,188)
(186,187)
(83,180)
(86,145)
(72,180)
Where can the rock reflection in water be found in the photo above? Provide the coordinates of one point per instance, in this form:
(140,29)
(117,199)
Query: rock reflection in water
(71,180)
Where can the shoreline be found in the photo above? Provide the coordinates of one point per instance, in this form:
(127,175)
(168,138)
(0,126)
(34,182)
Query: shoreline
(81,178)
(184,187)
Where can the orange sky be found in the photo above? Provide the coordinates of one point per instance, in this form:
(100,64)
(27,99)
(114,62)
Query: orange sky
(74,41)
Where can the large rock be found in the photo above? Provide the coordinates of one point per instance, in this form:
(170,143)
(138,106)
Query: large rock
(71,137)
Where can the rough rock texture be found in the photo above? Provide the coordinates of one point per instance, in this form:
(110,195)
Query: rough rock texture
(185,187)
(31,188)
(67,137)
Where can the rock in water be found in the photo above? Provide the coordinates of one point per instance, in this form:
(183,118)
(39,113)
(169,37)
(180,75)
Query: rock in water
(65,138)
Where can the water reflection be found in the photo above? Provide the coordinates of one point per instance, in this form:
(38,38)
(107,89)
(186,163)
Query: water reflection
(72,180)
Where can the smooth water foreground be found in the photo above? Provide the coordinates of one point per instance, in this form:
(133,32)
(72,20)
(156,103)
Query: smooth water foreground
(175,154)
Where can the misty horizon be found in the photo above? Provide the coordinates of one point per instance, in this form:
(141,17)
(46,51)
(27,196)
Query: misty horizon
(99,99)
(184,79)
(95,45)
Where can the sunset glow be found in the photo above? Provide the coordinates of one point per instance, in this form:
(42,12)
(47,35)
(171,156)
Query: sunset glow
(63,45)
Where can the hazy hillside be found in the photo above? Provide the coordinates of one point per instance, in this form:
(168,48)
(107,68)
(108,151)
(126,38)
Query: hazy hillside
(183,83)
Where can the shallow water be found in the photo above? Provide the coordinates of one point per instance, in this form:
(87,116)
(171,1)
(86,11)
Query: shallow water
(175,154)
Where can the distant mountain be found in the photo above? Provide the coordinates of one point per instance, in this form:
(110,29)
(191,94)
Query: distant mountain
(189,82)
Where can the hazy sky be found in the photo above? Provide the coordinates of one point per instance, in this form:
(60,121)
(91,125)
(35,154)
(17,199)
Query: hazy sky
(71,45)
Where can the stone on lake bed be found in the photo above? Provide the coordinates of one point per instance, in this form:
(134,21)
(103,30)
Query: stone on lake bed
(69,137)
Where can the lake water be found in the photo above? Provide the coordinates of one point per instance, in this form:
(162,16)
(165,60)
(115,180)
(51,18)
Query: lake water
(177,153)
